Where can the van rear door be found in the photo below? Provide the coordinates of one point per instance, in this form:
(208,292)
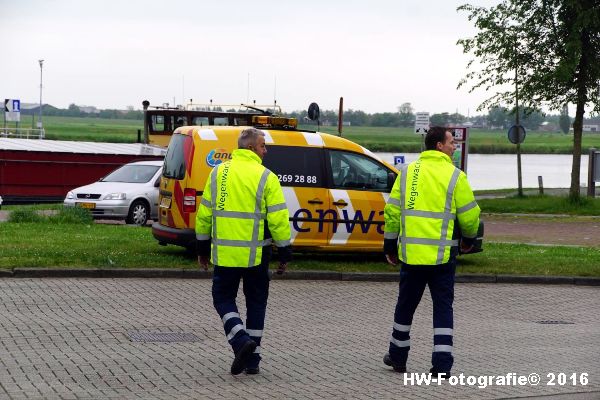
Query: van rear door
(176,172)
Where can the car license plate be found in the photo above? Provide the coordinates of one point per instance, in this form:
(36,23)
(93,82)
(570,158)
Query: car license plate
(165,202)
(87,205)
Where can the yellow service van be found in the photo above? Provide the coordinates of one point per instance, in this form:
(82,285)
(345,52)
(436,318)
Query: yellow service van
(334,188)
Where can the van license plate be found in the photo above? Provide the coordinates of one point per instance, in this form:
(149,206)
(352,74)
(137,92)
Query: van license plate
(165,202)
(87,205)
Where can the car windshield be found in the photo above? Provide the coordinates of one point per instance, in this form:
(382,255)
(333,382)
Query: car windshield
(132,174)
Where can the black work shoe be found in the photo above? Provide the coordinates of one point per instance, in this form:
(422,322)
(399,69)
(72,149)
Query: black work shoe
(387,360)
(242,356)
(252,370)
(440,374)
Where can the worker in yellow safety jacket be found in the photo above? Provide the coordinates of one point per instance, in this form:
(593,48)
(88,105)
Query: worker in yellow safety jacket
(242,212)
(431,205)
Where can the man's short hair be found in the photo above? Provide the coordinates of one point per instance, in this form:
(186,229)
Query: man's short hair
(249,137)
(434,135)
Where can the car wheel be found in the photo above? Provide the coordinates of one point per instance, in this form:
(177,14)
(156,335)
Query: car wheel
(138,213)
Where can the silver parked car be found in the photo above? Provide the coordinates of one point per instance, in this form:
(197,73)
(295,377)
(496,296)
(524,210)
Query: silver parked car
(130,193)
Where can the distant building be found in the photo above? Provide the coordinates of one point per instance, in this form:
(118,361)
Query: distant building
(591,125)
(548,127)
(34,108)
(88,109)
(30,107)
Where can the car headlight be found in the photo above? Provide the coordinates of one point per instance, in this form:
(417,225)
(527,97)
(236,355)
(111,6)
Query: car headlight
(70,195)
(115,196)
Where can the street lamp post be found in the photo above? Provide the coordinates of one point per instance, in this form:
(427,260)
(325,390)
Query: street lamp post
(40,125)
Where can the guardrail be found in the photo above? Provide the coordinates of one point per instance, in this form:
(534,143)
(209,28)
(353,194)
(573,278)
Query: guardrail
(22,133)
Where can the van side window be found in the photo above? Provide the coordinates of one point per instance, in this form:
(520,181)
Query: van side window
(177,156)
(357,171)
(296,166)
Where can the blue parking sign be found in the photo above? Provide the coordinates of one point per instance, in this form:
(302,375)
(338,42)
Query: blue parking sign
(398,159)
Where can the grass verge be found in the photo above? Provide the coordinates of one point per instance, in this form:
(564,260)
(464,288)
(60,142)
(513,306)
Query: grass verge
(541,205)
(81,245)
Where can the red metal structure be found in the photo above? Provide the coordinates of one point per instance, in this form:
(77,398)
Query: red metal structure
(33,171)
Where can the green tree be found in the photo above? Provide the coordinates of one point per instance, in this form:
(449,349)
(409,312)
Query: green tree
(564,121)
(456,118)
(108,113)
(442,119)
(530,119)
(550,48)
(498,117)
(385,119)
(73,111)
(356,117)
(406,114)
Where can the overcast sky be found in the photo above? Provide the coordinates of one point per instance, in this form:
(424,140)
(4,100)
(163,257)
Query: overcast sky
(112,54)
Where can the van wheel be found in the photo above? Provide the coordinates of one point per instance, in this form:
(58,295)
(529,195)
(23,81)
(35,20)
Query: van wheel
(138,213)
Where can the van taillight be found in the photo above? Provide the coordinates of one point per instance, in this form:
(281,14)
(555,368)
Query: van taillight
(189,200)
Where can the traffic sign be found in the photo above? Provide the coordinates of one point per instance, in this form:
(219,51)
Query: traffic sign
(398,160)
(516,134)
(421,123)
(12,110)
(12,105)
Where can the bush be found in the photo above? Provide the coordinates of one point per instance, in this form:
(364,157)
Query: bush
(24,215)
(72,215)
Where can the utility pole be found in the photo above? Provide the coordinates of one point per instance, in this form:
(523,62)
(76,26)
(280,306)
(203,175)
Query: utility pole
(40,125)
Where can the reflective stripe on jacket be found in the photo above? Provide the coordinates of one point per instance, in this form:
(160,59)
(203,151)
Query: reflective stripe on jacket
(238,196)
(428,196)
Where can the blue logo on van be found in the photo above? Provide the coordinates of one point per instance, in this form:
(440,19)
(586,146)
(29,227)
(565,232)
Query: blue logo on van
(217,156)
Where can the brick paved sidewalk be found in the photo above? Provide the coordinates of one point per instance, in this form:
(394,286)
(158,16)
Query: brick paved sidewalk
(68,338)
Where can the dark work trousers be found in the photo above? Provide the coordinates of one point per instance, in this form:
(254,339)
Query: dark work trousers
(413,279)
(226,281)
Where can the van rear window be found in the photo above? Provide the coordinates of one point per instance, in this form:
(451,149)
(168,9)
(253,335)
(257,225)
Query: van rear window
(296,166)
(177,157)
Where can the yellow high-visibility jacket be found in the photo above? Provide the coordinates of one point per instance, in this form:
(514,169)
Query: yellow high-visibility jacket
(428,196)
(238,196)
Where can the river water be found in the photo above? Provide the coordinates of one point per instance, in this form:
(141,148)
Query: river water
(499,171)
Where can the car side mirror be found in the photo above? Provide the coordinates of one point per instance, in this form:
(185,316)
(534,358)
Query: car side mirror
(157,183)
(391,178)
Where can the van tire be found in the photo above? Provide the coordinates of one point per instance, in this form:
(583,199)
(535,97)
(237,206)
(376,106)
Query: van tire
(138,213)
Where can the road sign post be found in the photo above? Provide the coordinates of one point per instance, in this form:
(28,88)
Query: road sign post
(516,135)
